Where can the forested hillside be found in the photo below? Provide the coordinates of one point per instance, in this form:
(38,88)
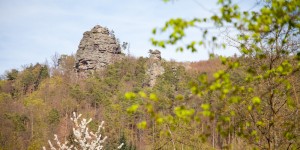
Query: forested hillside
(38,101)
(247,101)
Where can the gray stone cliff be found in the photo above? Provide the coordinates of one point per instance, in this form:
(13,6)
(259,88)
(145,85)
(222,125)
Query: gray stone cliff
(97,49)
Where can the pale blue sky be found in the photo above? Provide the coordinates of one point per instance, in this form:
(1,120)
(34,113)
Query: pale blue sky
(33,30)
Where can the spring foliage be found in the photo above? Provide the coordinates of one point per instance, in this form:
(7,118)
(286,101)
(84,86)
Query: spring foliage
(246,102)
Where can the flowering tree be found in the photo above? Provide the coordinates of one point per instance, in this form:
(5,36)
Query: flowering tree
(86,140)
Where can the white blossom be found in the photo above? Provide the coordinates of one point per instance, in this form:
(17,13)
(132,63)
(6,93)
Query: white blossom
(87,140)
(119,147)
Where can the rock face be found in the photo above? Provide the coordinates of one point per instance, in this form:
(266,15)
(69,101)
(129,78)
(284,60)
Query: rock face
(155,68)
(155,55)
(97,49)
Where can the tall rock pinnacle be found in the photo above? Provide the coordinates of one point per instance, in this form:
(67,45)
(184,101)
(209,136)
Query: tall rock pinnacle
(97,49)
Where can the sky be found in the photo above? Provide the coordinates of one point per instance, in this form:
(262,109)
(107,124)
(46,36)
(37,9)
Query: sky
(32,31)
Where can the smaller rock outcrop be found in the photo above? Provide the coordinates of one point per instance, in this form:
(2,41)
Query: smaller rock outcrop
(155,54)
(155,68)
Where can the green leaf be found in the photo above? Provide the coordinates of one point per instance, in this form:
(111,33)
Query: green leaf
(142,94)
(183,113)
(289,135)
(206,113)
(142,125)
(130,95)
(259,123)
(160,120)
(256,100)
(235,99)
(205,106)
(254,133)
(149,108)
(249,107)
(179,97)
(132,109)
(153,97)
(214,38)
(154,31)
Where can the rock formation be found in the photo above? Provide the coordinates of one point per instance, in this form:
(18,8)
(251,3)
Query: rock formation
(155,68)
(155,54)
(97,49)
